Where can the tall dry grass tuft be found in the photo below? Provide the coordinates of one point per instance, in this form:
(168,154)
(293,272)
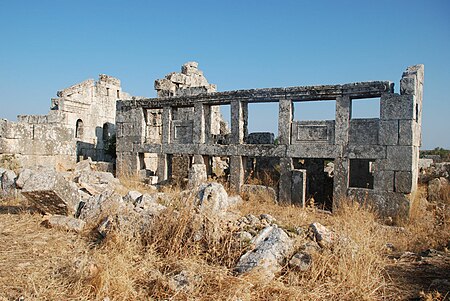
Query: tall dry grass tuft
(428,225)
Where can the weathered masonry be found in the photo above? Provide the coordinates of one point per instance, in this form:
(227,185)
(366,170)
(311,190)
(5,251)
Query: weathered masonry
(375,160)
(80,122)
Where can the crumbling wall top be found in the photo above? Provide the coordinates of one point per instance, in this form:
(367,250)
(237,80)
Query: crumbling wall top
(190,81)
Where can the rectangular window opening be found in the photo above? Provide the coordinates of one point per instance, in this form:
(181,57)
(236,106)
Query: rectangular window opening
(263,171)
(314,110)
(365,108)
(361,173)
(220,123)
(262,123)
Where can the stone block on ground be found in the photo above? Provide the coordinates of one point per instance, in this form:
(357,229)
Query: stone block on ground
(63,222)
(52,193)
(271,248)
(101,205)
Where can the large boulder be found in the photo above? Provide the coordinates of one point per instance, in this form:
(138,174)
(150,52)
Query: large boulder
(212,199)
(52,193)
(271,248)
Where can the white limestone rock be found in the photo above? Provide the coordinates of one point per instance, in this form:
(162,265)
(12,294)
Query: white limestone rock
(271,248)
(212,199)
(8,183)
(322,235)
(63,222)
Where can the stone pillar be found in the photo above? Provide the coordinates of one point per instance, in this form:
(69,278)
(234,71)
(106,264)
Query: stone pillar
(285,184)
(341,163)
(284,121)
(238,122)
(299,187)
(199,124)
(166,124)
(236,173)
(163,168)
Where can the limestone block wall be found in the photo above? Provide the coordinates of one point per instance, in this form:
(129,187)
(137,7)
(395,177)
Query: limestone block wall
(81,119)
(89,109)
(38,144)
(375,160)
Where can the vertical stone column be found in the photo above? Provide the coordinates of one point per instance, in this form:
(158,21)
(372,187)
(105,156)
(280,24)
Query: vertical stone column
(238,121)
(341,163)
(299,187)
(199,124)
(208,124)
(237,172)
(285,184)
(284,121)
(166,124)
(163,167)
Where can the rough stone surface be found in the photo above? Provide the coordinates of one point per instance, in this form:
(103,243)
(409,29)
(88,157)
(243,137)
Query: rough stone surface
(435,188)
(322,235)
(212,199)
(101,205)
(271,247)
(24,176)
(67,223)
(301,261)
(197,175)
(8,183)
(132,196)
(52,193)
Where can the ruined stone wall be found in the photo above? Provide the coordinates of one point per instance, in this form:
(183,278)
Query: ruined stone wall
(381,152)
(80,121)
(41,143)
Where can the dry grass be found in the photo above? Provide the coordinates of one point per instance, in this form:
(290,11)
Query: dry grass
(46,264)
(428,225)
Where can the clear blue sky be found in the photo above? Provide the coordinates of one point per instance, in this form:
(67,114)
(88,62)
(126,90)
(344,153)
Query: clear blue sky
(49,45)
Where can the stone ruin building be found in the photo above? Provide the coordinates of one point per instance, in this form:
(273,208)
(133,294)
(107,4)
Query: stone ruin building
(375,160)
(80,122)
